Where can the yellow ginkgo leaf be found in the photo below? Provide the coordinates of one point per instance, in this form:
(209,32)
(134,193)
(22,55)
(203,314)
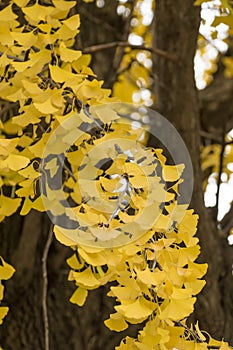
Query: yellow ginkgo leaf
(21,3)
(94,259)
(1,291)
(79,296)
(177,309)
(8,205)
(104,113)
(6,270)
(131,291)
(37,12)
(116,323)
(62,238)
(74,263)
(139,309)
(64,5)
(86,279)
(151,278)
(3,312)
(104,233)
(110,185)
(68,55)
(7,15)
(46,107)
(15,162)
(24,39)
(196,286)
(60,75)
(31,88)
(73,22)
(172,172)
(139,181)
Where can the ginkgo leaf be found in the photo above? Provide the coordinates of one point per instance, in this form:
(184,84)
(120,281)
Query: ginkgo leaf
(151,278)
(116,323)
(130,291)
(105,234)
(38,204)
(110,185)
(27,205)
(139,181)
(139,309)
(15,162)
(7,15)
(31,88)
(68,55)
(104,113)
(177,309)
(86,279)
(94,259)
(46,107)
(172,172)
(74,263)
(60,75)
(37,13)
(24,39)
(90,89)
(73,22)
(196,286)
(3,312)
(61,237)
(64,5)
(1,291)
(6,270)
(21,3)
(79,296)
(8,206)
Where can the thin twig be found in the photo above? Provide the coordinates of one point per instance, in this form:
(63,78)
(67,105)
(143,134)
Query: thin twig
(45,286)
(210,136)
(15,58)
(221,158)
(97,20)
(193,333)
(113,44)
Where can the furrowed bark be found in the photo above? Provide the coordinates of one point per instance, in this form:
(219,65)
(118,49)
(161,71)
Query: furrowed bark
(176,30)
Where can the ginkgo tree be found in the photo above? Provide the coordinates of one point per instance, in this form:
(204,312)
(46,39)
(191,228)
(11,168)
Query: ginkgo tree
(68,149)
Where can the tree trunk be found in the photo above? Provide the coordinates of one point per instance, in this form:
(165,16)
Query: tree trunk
(176,30)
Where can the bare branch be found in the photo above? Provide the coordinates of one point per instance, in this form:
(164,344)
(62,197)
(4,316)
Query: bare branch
(221,158)
(106,46)
(208,135)
(45,286)
(96,20)
(226,223)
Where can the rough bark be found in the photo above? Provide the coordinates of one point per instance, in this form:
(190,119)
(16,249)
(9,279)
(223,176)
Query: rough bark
(176,29)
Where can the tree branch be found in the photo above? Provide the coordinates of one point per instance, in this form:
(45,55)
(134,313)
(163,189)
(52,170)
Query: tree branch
(45,286)
(106,46)
(221,158)
(226,223)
